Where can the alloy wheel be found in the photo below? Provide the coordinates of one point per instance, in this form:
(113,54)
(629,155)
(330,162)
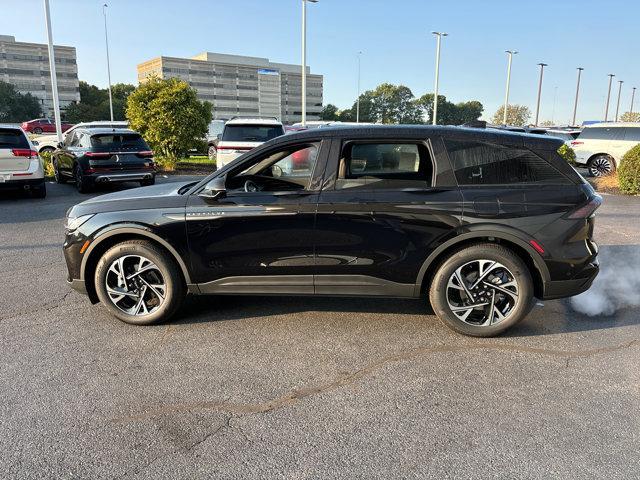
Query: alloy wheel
(601,167)
(482,293)
(135,285)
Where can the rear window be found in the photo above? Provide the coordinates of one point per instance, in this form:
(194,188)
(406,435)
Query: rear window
(118,142)
(476,163)
(251,133)
(10,138)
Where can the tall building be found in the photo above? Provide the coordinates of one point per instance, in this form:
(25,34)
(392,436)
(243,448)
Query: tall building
(238,85)
(26,66)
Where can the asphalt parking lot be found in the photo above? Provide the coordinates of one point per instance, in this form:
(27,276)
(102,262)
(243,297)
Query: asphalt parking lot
(268,387)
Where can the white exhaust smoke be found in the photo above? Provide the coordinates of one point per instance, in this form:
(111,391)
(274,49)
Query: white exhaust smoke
(618,284)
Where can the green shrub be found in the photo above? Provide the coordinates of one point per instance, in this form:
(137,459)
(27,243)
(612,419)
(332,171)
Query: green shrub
(567,153)
(46,163)
(629,172)
(166,164)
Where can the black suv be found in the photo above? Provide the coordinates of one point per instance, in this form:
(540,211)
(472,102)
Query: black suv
(480,221)
(90,156)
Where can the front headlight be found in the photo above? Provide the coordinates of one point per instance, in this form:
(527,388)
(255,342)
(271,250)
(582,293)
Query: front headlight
(71,223)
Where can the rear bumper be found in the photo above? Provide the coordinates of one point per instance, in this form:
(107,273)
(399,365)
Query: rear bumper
(574,286)
(27,184)
(122,177)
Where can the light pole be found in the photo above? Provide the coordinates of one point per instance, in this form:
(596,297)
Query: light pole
(511,53)
(439,36)
(575,105)
(633,96)
(304,60)
(52,70)
(606,108)
(106,42)
(620,82)
(358,98)
(542,65)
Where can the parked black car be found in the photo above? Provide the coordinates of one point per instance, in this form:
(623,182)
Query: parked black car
(90,156)
(480,221)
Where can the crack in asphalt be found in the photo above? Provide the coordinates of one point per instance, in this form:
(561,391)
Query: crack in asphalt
(293,396)
(47,307)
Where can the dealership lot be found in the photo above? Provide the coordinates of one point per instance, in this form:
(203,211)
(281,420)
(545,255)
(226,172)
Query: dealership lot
(263,387)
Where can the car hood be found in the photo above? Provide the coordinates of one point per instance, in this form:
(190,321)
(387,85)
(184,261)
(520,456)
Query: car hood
(156,196)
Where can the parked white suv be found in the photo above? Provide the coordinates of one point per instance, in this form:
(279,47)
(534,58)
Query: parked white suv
(601,146)
(20,166)
(241,134)
(48,143)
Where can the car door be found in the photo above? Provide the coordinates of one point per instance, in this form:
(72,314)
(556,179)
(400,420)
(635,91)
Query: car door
(618,145)
(384,208)
(259,240)
(65,156)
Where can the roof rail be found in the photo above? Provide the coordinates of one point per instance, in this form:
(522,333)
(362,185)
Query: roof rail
(476,124)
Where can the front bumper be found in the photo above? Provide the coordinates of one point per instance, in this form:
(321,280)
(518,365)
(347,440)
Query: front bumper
(575,286)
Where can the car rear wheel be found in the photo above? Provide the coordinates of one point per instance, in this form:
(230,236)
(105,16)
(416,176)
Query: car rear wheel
(601,166)
(56,173)
(139,283)
(46,150)
(482,290)
(37,130)
(146,183)
(82,184)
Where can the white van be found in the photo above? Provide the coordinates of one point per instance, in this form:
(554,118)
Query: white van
(601,146)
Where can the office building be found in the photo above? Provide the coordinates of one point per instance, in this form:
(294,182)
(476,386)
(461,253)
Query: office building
(238,85)
(26,66)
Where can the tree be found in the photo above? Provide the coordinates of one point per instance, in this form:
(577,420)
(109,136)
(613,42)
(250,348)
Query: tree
(517,115)
(16,107)
(94,103)
(169,116)
(329,112)
(630,117)
(449,113)
(547,123)
(393,104)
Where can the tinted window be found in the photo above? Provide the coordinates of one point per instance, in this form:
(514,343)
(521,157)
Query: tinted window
(563,135)
(251,133)
(632,134)
(10,138)
(118,142)
(600,133)
(384,165)
(477,163)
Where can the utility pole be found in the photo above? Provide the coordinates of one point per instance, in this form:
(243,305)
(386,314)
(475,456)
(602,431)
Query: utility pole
(620,82)
(52,70)
(439,36)
(511,53)
(304,60)
(542,65)
(606,108)
(575,105)
(358,98)
(633,96)
(106,41)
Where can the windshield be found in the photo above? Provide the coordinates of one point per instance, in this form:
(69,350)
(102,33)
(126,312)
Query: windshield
(118,141)
(251,133)
(10,138)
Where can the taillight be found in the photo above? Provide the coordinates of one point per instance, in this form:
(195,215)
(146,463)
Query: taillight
(97,155)
(588,209)
(575,142)
(24,152)
(145,154)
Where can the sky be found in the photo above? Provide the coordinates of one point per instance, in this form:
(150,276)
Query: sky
(395,37)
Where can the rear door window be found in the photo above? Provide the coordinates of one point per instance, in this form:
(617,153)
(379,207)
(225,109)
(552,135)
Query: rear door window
(384,165)
(600,133)
(11,138)
(476,163)
(632,134)
(251,133)
(118,142)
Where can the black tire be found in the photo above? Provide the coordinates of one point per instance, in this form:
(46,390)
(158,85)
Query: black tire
(212,152)
(37,131)
(46,150)
(147,183)
(40,191)
(83,185)
(486,251)
(601,166)
(56,173)
(172,275)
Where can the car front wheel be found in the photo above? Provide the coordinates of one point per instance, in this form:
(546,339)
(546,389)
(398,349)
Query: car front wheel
(482,290)
(139,283)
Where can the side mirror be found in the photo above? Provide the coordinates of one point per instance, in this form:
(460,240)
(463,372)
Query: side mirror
(215,188)
(219,137)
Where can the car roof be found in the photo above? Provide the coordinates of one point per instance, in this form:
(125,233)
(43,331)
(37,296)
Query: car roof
(102,122)
(612,124)
(364,132)
(9,126)
(253,121)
